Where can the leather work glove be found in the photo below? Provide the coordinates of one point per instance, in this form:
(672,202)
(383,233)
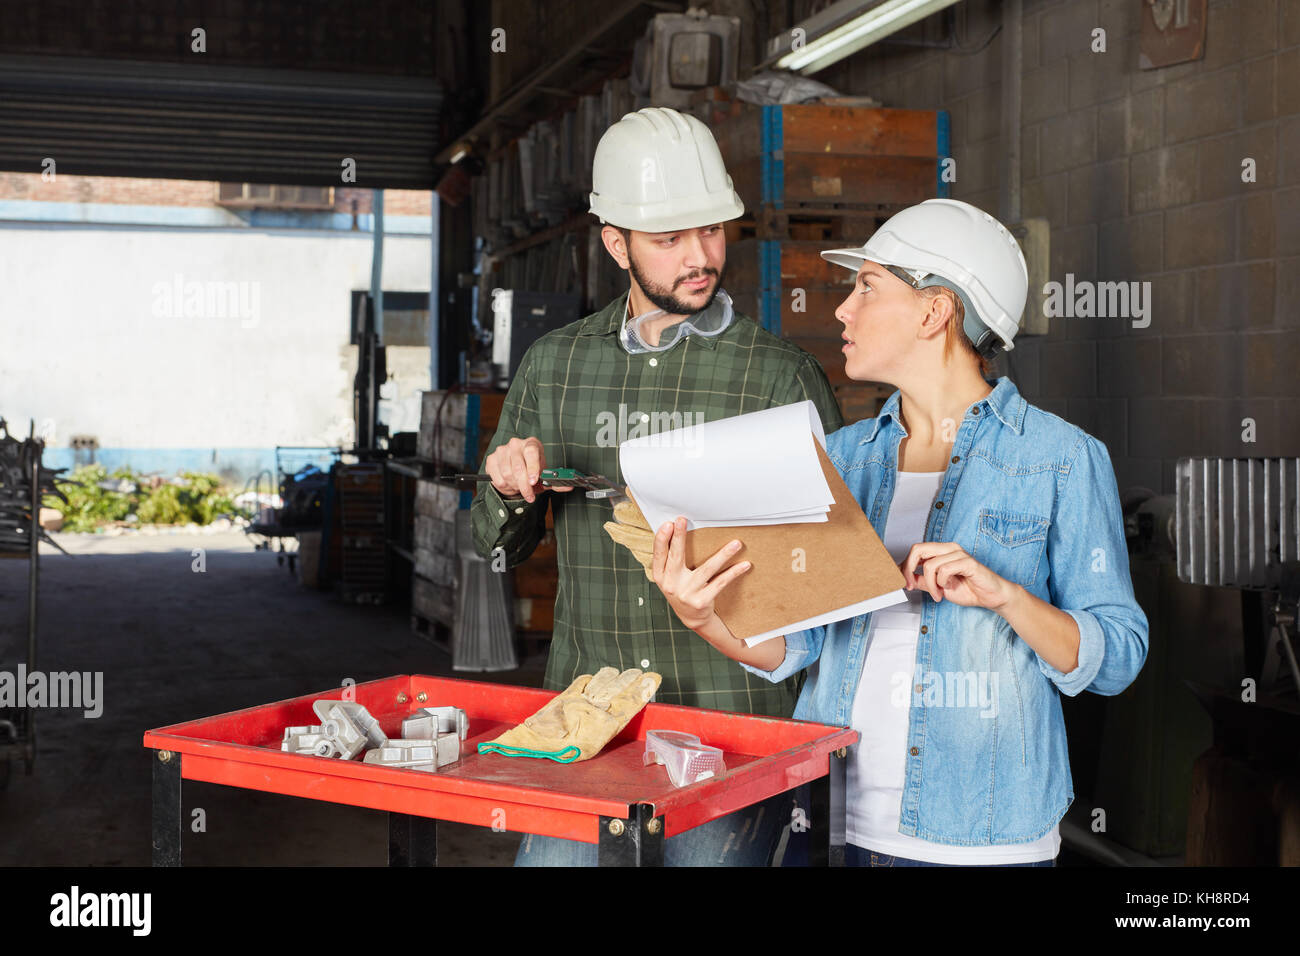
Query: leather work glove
(577,723)
(630,529)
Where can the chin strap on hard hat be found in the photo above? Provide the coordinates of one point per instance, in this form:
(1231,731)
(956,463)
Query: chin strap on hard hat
(984,339)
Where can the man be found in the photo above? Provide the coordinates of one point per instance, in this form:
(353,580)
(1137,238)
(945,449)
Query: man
(670,348)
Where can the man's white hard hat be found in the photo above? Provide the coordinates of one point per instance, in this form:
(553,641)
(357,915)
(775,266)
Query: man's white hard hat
(658,170)
(949,243)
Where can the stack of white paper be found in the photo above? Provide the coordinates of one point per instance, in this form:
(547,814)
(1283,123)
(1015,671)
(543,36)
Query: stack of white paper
(760,468)
(830,617)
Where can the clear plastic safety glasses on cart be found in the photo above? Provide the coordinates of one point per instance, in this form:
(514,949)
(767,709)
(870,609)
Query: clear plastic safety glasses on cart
(712,320)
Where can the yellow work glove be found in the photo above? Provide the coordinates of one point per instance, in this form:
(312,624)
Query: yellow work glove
(630,529)
(577,723)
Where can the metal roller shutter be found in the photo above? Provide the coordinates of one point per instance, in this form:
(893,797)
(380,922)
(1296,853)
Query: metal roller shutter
(174,121)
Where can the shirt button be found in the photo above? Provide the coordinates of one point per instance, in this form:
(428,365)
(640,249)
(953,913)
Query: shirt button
(640,601)
(654,362)
(938,504)
(919,688)
(956,458)
(925,629)
(519,511)
(974,411)
(644,663)
(501,512)
(915,751)
(645,418)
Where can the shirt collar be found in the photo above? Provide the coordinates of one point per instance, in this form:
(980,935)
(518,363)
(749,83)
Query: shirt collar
(1005,401)
(609,320)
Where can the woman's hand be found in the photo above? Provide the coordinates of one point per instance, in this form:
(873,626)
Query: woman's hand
(945,570)
(691,593)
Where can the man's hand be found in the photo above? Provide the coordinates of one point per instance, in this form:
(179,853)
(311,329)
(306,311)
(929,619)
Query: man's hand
(947,571)
(691,593)
(516,468)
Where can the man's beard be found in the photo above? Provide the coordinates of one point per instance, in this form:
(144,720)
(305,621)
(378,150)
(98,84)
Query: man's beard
(663,298)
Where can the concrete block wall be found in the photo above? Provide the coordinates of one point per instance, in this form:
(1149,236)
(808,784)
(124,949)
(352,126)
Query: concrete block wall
(1140,174)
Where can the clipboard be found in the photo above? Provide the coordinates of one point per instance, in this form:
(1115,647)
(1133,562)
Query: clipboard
(800,570)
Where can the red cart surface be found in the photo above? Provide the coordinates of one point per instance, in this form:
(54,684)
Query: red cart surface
(613,799)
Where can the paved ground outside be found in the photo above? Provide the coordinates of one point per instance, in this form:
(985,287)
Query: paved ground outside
(174,644)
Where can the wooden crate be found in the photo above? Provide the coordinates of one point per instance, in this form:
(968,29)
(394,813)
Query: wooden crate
(815,157)
(464,422)
(439,569)
(432,602)
(534,614)
(763,277)
(539,576)
(860,400)
(435,499)
(434,533)
(788,287)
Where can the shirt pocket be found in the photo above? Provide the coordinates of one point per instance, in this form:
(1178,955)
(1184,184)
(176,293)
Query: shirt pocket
(1011,544)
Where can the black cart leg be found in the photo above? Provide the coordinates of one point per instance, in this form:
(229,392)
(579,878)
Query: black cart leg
(827,826)
(166,808)
(412,841)
(636,841)
(819,824)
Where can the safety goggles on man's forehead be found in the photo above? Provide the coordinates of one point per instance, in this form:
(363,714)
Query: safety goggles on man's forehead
(712,320)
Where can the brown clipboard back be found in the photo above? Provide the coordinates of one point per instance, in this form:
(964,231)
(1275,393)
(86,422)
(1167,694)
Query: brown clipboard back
(843,562)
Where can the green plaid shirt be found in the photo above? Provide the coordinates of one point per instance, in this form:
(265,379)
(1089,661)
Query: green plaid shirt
(581,393)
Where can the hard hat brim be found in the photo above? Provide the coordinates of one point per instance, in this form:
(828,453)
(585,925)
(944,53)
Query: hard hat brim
(640,219)
(848,258)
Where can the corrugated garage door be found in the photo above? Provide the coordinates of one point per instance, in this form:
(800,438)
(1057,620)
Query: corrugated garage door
(122,118)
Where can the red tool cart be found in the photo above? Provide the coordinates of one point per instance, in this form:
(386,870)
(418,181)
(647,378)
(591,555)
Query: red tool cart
(612,800)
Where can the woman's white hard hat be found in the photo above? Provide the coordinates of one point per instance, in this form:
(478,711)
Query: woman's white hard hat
(658,170)
(949,243)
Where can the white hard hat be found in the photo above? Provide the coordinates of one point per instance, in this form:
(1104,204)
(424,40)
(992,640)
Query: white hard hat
(657,170)
(949,243)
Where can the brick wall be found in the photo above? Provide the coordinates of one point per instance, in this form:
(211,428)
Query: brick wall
(106,189)
(1139,174)
(181,192)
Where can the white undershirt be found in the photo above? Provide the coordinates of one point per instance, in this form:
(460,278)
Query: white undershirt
(877,764)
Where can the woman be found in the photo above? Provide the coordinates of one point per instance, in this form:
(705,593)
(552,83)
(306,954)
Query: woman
(1006,524)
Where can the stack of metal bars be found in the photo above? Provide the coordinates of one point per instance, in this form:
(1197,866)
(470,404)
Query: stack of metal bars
(24,482)
(483,636)
(1237,520)
(17,522)
(361,500)
(591,126)
(19,461)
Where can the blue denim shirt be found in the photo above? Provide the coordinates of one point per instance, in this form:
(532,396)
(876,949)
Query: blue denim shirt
(1034,499)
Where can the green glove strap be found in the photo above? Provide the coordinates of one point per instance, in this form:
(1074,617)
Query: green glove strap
(559,756)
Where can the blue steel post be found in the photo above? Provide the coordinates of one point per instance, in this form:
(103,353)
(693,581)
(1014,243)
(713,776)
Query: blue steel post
(942,144)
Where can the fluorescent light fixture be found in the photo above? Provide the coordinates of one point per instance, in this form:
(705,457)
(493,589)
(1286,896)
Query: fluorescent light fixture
(844,28)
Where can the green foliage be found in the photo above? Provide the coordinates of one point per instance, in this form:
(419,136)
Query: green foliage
(201,499)
(90,506)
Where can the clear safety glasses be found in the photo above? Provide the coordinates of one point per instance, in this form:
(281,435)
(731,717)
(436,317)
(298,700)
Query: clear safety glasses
(711,321)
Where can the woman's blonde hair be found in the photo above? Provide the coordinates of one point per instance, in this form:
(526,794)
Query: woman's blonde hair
(956,333)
